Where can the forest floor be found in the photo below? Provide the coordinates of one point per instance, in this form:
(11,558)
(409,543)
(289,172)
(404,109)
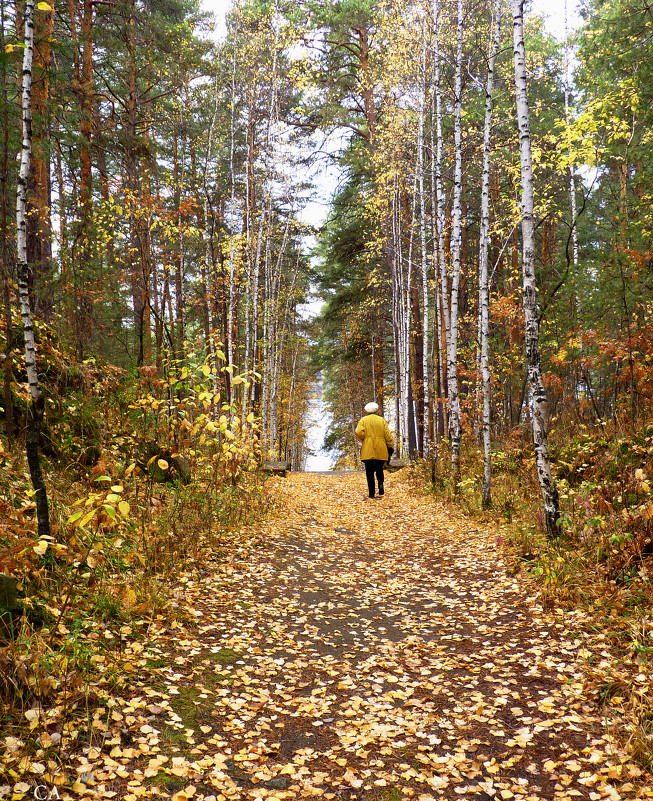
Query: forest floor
(357,649)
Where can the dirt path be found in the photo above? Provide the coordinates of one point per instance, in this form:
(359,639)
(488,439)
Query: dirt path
(371,650)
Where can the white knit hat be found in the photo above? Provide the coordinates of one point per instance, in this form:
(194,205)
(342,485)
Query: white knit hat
(371,408)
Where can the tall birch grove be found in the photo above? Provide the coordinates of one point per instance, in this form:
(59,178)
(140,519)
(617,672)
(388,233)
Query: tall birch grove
(480,268)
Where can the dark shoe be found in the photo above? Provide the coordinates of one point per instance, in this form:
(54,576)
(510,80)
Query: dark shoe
(381,492)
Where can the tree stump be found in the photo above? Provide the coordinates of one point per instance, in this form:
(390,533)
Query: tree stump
(182,466)
(9,607)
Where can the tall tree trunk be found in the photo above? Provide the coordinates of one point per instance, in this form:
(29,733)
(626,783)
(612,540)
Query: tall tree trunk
(232,228)
(207,269)
(440,220)
(484,290)
(177,317)
(86,177)
(532,334)
(5,257)
(378,345)
(81,254)
(138,242)
(414,324)
(401,320)
(38,403)
(455,429)
(39,239)
(426,399)
(572,180)
(250,258)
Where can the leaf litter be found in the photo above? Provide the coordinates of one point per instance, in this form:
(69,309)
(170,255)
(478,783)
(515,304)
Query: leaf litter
(348,649)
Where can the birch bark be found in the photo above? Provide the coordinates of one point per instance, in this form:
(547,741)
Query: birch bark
(538,400)
(38,403)
(270,296)
(441,264)
(455,430)
(5,265)
(426,436)
(484,248)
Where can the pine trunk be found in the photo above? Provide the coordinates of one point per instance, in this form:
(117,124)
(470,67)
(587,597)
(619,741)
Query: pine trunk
(39,234)
(208,223)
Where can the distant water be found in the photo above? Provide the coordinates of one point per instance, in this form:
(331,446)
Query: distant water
(318,421)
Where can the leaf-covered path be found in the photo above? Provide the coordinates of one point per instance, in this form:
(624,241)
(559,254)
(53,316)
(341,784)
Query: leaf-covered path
(369,650)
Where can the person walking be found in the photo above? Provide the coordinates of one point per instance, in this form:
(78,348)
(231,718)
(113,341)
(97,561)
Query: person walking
(372,430)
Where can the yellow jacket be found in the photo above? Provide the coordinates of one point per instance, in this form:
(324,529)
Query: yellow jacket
(375,435)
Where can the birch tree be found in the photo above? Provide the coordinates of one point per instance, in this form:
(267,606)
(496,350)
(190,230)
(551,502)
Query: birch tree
(483,300)
(455,428)
(38,401)
(5,260)
(426,438)
(538,400)
(439,211)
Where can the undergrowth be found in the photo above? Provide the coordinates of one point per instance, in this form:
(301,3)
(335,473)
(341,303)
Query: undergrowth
(152,491)
(600,566)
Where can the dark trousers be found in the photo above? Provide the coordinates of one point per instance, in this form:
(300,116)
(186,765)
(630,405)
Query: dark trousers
(374,467)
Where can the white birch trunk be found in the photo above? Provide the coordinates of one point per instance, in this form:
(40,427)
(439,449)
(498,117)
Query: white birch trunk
(255,302)
(441,262)
(21,205)
(455,431)
(424,261)
(280,328)
(265,378)
(403,322)
(484,289)
(249,223)
(532,335)
(37,406)
(398,316)
(268,401)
